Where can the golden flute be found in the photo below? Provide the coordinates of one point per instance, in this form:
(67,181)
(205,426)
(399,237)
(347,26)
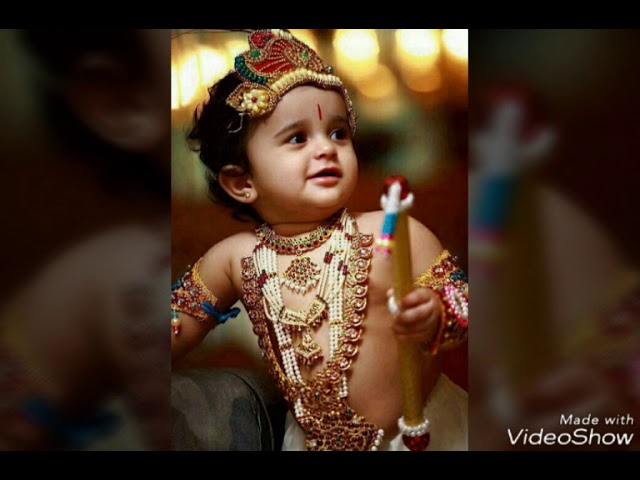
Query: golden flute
(394,242)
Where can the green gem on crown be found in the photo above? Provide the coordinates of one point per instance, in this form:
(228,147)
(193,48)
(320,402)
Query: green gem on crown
(243,70)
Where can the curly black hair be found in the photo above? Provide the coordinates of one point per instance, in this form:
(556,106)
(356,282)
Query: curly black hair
(212,136)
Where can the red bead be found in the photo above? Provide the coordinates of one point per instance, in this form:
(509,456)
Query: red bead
(404,185)
(417,444)
(260,39)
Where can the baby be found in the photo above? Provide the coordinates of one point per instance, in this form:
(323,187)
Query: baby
(276,136)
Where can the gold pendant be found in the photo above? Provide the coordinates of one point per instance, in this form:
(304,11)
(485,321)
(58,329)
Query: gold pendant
(312,317)
(295,320)
(308,351)
(301,276)
(316,313)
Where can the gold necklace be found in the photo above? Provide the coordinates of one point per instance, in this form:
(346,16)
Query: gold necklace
(320,404)
(297,246)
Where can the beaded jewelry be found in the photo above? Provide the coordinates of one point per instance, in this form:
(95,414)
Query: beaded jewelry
(415,438)
(302,275)
(329,295)
(297,246)
(275,63)
(190,295)
(449,282)
(320,403)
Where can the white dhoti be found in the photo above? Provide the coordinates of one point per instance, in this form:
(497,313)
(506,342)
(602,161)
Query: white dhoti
(446,409)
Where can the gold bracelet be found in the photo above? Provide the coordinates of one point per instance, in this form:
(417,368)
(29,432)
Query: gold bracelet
(449,282)
(454,324)
(191,296)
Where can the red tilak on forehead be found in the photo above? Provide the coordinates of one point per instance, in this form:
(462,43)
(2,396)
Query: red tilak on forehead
(319,112)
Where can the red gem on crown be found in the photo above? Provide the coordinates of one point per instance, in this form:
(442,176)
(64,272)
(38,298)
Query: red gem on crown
(260,39)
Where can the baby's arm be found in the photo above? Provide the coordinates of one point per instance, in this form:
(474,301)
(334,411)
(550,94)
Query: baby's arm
(193,297)
(444,277)
(425,314)
(425,247)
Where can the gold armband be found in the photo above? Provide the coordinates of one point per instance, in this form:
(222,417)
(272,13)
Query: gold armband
(449,282)
(190,295)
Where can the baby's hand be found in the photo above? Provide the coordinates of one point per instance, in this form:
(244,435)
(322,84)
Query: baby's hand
(418,316)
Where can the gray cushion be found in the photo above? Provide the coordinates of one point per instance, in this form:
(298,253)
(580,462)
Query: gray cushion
(218,409)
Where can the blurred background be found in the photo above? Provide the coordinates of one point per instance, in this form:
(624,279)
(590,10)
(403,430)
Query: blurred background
(553,232)
(409,89)
(84,138)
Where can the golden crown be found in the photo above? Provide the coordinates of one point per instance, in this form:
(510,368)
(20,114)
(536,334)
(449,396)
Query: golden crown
(275,63)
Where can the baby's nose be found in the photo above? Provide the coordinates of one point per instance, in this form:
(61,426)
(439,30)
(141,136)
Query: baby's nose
(325,148)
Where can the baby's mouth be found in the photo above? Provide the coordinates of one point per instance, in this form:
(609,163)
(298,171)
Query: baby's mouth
(327,173)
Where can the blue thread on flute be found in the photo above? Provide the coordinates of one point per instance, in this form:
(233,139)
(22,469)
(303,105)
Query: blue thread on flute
(389,225)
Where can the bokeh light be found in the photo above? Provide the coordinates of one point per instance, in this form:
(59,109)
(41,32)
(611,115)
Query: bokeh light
(356,52)
(456,41)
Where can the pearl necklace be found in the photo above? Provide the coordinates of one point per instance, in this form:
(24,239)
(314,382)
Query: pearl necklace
(320,404)
(329,297)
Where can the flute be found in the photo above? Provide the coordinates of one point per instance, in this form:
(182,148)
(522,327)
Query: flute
(394,242)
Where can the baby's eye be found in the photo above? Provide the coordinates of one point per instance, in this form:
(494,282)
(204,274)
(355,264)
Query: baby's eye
(297,138)
(340,134)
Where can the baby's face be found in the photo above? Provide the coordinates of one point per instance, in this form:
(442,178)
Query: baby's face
(302,158)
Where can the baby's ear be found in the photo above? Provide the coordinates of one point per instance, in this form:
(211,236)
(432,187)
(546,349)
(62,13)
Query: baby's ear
(237,183)
(116,106)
